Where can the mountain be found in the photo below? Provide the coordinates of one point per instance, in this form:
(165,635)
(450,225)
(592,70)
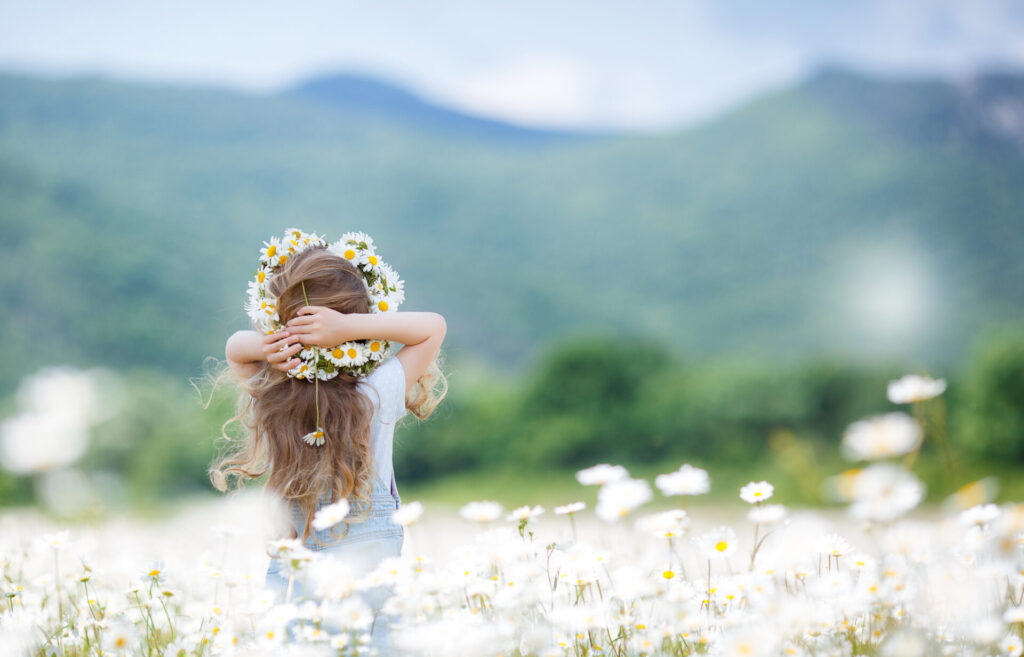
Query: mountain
(847,215)
(360,94)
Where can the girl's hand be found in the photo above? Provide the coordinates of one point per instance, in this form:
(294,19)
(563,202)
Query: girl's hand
(320,326)
(280,348)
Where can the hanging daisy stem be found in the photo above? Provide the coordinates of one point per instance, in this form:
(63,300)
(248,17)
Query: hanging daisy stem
(316,377)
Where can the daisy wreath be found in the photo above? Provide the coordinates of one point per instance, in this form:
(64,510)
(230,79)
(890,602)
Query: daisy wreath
(385,291)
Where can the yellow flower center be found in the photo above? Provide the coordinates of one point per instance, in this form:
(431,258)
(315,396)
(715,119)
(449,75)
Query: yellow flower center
(261,275)
(383,305)
(271,250)
(338,353)
(721,546)
(373,260)
(282,259)
(374,347)
(154,573)
(120,642)
(757,493)
(668,574)
(349,254)
(318,434)
(352,353)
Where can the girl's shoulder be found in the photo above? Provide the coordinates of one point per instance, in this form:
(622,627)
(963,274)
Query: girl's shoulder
(386,389)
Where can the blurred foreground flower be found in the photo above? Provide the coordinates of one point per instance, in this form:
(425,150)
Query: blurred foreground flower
(484,511)
(687,480)
(56,408)
(884,492)
(881,437)
(913,388)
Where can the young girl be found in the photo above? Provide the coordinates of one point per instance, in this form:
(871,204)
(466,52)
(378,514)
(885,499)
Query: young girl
(322,300)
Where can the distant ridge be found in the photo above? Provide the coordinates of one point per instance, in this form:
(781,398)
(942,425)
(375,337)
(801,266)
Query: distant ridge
(363,93)
(983,111)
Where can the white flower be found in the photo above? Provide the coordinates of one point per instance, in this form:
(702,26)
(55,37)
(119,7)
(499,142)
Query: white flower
(315,438)
(882,436)
(331,514)
(376,349)
(767,514)
(1011,645)
(667,524)
(833,545)
(913,388)
(526,512)
(484,511)
(352,613)
(755,492)
(345,250)
(884,492)
(384,304)
(617,498)
(270,254)
(362,240)
(408,513)
(350,354)
(687,480)
(568,509)
(717,543)
(368,260)
(1014,615)
(601,474)
(981,514)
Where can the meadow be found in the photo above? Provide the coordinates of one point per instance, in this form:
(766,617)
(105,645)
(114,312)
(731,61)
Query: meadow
(645,569)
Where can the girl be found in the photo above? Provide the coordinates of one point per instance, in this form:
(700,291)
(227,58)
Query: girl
(322,300)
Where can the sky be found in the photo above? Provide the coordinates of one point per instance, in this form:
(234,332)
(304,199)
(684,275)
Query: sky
(585,64)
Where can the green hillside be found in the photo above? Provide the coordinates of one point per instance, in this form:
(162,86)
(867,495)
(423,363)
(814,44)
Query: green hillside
(133,213)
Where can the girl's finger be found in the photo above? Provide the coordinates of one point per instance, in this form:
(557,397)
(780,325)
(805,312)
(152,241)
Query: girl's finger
(300,320)
(308,310)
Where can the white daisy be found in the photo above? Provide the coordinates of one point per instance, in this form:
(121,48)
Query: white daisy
(350,354)
(833,545)
(526,512)
(882,436)
(717,543)
(384,304)
(360,239)
(980,515)
(755,492)
(484,511)
(376,349)
(884,492)
(346,251)
(408,513)
(301,371)
(369,260)
(601,474)
(270,254)
(331,514)
(567,509)
(687,480)
(767,514)
(315,438)
(619,497)
(914,388)
(667,524)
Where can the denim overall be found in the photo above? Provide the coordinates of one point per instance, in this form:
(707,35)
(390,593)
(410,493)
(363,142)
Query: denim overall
(363,547)
(375,537)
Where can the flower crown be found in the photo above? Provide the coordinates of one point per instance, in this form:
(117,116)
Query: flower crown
(383,286)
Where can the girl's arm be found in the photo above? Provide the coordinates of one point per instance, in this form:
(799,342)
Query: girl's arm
(420,333)
(245,350)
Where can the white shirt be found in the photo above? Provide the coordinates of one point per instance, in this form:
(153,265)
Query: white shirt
(385,387)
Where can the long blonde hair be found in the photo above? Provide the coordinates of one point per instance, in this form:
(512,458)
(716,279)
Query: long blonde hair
(276,410)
